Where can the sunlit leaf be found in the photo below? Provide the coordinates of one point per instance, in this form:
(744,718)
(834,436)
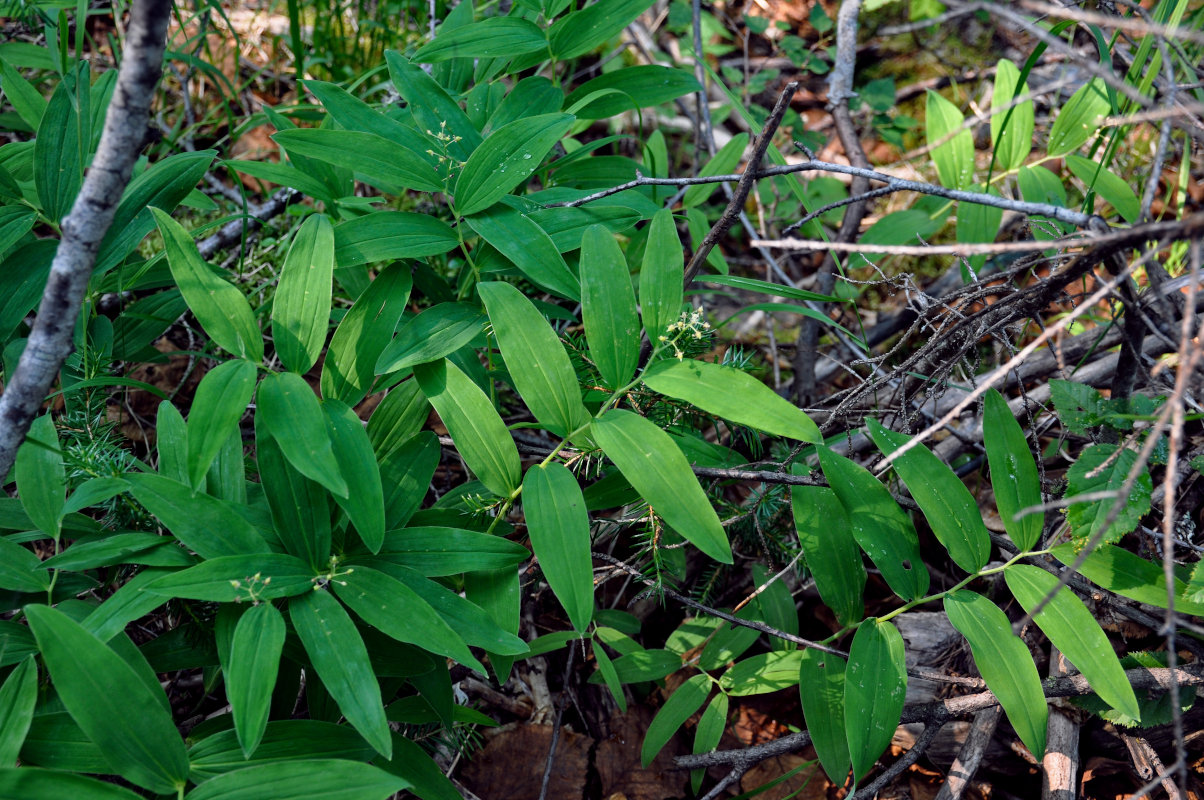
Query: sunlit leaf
(874,689)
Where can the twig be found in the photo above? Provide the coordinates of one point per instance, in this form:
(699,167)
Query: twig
(256,216)
(561,702)
(50,340)
(903,762)
(965,766)
(1061,763)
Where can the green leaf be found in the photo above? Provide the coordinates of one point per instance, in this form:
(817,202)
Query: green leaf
(350,365)
(1079,119)
(406,472)
(290,740)
(354,114)
(1074,630)
(493,37)
(954,160)
(1108,185)
(680,706)
(395,609)
(20,569)
(285,175)
(24,97)
(33,783)
(520,239)
(1013,472)
(610,677)
(124,606)
(880,527)
(631,88)
(661,275)
(474,425)
(375,160)
(290,412)
(106,549)
(218,305)
(221,399)
(437,552)
(396,419)
(1005,664)
(765,287)
(112,705)
(414,765)
(711,726)
(300,507)
(722,163)
(608,307)
(874,689)
(205,525)
(558,525)
(821,689)
(435,333)
(341,661)
(365,506)
(58,171)
(15,222)
(301,308)
(507,158)
(251,672)
(1013,142)
(645,665)
(654,465)
(18,696)
(1129,575)
(731,394)
(1101,468)
(978,223)
(319,779)
(388,235)
(535,358)
(951,510)
(584,30)
(41,476)
(433,109)
(238,579)
(763,673)
(833,558)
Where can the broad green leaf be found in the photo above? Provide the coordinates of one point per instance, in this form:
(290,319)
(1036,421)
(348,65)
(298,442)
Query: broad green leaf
(1013,142)
(300,507)
(680,706)
(1079,119)
(765,287)
(1074,630)
(978,223)
(395,609)
(57,171)
(1101,468)
(15,222)
(874,688)
(1039,185)
(16,642)
(731,394)
(606,669)
(832,555)
(22,281)
(499,595)
(608,307)
(389,235)
(34,783)
(218,305)
(397,418)
(406,471)
(41,476)
(350,365)
(1014,476)
(125,605)
(24,97)
(435,333)
(821,690)
(531,96)
(731,640)
(881,528)
(285,175)
(951,510)
(434,111)
(18,696)
(898,227)
(1129,575)
(354,114)
(301,307)
(520,239)
(415,766)
(558,525)
(709,732)
(1005,664)
(291,740)
(763,673)
(341,661)
(318,779)
(251,672)
(661,276)
(106,549)
(238,579)
(954,160)
(777,606)
(631,88)
(437,552)
(20,569)
(479,433)
(290,412)
(655,466)
(205,525)
(507,158)
(493,37)
(722,163)
(535,358)
(1108,185)
(112,705)
(582,31)
(365,505)
(221,399)
(374,159)
(645,665)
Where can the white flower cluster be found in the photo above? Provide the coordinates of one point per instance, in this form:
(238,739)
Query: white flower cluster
(690,324)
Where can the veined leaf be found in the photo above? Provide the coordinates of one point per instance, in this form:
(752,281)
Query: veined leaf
(946,502)
(631,88)
(433,109)
(680,706)
(238,579)
(493,37)
(20,569)
(300,507)
(821,690)
(110,702)
(397,418)
(301,308)
(763,673)
(374,159)
(57,171)
(833,558)
(1075,631)
(205,525)
(35,783)
(1013,472)
(356,115)
(1108,185)
(1129,575)
(251,671)
(535,358)
(1013,142)
(341,661)
(388,235)
(320,779)
(954,159)
(661,275)
(656,467)
(365,506)
(221,399)
(711,726)
(558,525)
(1101,468)
(474,425)
(435,333)
(606,669)
(507,158)
(41,476)
(18,696)
(644,665)
(1079,119)
(519,238)
(874,689)
(406,471)
(977,222)
(765,287)
(608,307)
(436,552)
(350,365)
(284,741)
(582,31)
(1005,664)
(722,163)
(290,412)
(731,394)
